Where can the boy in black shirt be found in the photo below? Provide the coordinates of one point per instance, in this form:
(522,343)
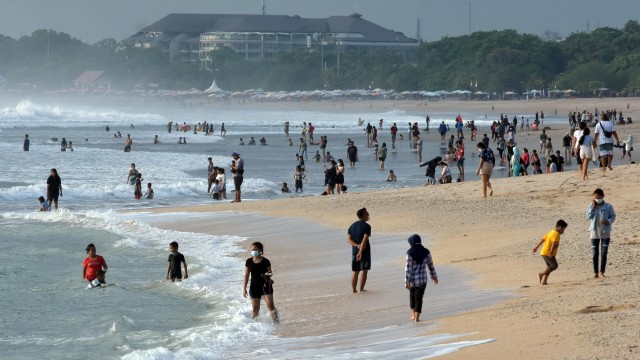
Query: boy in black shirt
(174,272)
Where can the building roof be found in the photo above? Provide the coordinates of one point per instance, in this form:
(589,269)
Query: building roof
(343,26)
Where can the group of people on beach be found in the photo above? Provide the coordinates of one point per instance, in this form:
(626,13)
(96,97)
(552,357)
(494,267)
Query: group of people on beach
(205,127)
(601,216)
(418,261)
(134,177)
(217,181)
(94,266)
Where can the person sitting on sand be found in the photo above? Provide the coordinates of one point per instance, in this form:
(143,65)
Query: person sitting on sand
(415,274)
(263,141)
(241,142)
(252,141)
(551,243)
(445,178)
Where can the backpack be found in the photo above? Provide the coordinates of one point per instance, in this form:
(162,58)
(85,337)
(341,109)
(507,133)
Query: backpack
(491,157)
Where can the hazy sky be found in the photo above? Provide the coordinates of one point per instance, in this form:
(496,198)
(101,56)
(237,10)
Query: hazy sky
(92,20)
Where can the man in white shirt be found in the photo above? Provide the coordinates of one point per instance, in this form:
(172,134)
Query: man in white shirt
(605,143)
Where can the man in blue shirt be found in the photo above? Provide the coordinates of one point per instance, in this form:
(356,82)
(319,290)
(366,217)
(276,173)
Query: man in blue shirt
(358,237)
(443,130)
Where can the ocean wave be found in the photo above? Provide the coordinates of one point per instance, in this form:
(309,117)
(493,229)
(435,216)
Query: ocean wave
(212,262)
(27,114)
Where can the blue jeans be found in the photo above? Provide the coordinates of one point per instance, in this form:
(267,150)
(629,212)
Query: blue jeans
(599,246)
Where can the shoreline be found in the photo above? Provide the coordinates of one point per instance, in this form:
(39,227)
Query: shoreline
(628,105)
(311,269)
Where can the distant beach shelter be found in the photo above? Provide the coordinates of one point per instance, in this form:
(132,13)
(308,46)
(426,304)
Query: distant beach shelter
(214,89)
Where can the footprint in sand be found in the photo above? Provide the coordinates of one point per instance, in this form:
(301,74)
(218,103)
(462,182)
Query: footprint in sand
(598,309)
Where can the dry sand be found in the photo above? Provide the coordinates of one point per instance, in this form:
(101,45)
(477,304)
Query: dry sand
(575,317)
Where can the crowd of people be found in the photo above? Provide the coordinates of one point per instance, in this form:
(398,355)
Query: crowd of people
(578,144)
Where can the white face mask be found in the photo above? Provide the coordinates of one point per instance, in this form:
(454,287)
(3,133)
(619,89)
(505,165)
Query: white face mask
(599,201)
(255,253)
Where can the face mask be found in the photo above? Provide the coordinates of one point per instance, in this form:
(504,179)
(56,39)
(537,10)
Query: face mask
(255,253)
(599,201)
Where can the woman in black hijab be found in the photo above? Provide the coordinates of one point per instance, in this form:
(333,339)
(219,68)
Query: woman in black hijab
(415,278)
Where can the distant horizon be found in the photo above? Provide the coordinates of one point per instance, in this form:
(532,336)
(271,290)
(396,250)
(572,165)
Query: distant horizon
(119,19)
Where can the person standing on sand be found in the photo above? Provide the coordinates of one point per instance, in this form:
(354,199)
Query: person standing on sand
(54,188)
(585,151)
(415,274)
(602,216)
(358,237)
(460,158)
(566,145)
(575,145)
(604,134)
(543,140)
(237,169)
(627,147)
(485,168)
(551,243)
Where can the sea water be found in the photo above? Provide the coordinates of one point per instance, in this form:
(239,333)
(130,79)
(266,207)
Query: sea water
(45,310)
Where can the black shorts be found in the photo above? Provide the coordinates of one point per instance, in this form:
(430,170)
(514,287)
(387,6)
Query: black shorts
(176,276)
(53,196)
(256,291)
(363,264)
(237,182)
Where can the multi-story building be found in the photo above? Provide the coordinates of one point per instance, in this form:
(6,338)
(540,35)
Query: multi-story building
(192,37)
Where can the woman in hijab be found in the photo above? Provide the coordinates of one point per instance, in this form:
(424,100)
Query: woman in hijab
(415,274)
(515,162)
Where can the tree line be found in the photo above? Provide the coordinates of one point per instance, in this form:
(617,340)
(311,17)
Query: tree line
(491,61)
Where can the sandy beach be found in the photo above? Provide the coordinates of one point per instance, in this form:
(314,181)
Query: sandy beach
(574,317)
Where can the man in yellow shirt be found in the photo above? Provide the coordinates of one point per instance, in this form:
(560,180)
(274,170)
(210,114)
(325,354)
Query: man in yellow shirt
(549,250)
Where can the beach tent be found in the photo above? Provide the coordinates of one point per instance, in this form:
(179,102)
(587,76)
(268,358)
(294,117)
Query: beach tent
(214,89)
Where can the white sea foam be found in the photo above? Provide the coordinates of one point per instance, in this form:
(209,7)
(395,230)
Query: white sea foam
(27,114)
